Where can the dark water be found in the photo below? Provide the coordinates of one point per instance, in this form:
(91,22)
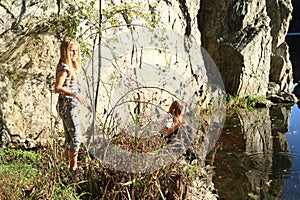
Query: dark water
(291,189)
(258,155)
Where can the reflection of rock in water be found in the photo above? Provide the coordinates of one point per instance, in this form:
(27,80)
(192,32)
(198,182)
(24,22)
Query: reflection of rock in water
(280,117)
(256,127)
(249,159)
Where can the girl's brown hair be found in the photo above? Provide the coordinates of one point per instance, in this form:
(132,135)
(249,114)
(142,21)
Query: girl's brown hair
(176,108)
(65,56)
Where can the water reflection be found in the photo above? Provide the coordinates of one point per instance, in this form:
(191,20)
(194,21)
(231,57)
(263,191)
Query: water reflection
(253,157)
(292,183)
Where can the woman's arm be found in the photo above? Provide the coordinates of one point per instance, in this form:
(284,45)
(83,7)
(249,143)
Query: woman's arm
(60,79)
(172,129)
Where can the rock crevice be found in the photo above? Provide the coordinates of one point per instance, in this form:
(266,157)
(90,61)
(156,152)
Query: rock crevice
(246,39)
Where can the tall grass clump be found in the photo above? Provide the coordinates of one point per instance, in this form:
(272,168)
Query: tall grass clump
(40,173)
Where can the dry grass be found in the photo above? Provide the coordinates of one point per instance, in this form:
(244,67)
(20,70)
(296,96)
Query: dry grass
(40,173)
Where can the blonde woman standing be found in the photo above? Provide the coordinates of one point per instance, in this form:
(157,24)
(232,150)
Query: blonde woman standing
(68,100)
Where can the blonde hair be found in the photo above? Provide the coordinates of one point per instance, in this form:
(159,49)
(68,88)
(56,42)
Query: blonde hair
(176,108)
(65,56)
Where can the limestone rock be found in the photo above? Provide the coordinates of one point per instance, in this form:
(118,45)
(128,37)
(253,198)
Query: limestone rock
(246,40)
(28,57)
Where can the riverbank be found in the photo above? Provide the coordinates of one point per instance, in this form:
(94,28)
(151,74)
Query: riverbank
(40,173)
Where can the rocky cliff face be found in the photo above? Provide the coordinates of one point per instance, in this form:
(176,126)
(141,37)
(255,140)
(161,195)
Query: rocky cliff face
(27,60)
(245,39)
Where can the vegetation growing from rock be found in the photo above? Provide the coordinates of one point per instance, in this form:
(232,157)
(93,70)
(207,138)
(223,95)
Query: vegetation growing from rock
(41,169)
(251,102)
(27,64)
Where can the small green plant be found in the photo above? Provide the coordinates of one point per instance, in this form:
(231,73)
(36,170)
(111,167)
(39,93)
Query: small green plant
(192,171)
(250,102)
